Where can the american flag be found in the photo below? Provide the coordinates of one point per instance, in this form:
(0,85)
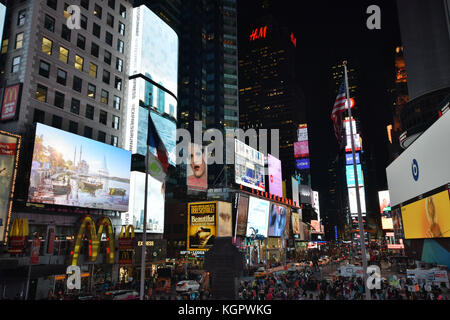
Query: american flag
(338,108)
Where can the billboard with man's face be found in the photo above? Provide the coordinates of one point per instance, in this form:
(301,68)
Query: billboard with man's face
(277,220)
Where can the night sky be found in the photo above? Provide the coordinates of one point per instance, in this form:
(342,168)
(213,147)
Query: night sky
(326,32)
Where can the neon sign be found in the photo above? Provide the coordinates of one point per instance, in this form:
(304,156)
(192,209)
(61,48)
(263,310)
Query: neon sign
(293,39)
(258,33)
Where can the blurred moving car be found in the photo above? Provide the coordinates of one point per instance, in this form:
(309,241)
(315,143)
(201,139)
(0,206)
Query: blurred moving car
(260,273)
(187,286)
(122,295)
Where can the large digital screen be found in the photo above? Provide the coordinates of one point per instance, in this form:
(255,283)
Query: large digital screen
(8,152)
(71,170)
(295,195)
(295,223)
(302,132)
(397,223)
(350,172)
(385,210)
(349,158)
(316,227)
(11,102)
(353,202)
(277,220)
(155,204)
(201,225)
(249,166)
(357,141)
(224,227)
(197,168)
(258,217)
(2,20)
(301,149)
(347,127)
(302,164)
(241,227)
(306,195)
(428,217)
(275,177)
(316,204)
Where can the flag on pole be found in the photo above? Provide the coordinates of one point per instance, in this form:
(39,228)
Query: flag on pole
(338,108)
(155,142)
(155,168)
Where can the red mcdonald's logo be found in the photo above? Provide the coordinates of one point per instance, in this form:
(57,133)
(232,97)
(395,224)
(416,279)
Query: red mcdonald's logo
(10,99)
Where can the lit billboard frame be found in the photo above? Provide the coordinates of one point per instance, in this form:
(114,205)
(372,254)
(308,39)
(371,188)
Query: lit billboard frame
(275,176)
(257,218)
(249,166)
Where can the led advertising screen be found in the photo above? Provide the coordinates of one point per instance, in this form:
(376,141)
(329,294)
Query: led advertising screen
(224,227)
(302,132)
(11,102)
(241,227)
(347,127)
(249,166)
(385,210)
(350,173)
(316,204)
(8,153)
(428,217)
(277,220)
(349,158)
(398,223)
(155,204)
(357,141)
(306,194)
(353,202)
(295,195)
(197,168)
(71,170)
(258,217)
(316,227)
(302,164)
(295,223)
(275,177)
(201,225)
(2,19)
(301,149)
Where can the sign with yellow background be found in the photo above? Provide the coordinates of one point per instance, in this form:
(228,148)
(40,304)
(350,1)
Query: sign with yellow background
(201,225)
(428,217)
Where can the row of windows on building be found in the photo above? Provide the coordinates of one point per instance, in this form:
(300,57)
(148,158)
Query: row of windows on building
(97,8)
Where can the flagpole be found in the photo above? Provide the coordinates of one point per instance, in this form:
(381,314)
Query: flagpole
(362,239)
(144,236)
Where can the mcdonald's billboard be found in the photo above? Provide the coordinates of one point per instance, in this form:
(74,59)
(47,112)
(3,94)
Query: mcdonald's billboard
(19,233)
(11,102)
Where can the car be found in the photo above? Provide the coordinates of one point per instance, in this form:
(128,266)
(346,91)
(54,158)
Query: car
(122,295)
(260,273)
(187,286)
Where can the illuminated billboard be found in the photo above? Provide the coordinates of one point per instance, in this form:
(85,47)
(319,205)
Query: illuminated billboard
(2,19)
(155,204)
(357,141)
(347,126)
(302,164)
(353,202)
(277,220)
(8,153)
(71,170)
(349,158)
(301,149)
(275,177)
(306,195)
(201,225)
(302,132)
(295,195)
(11,102)
(316,204)
(258,217)
(296,223)
(385,210)
(241,225)
(350,173)
(249,166)
(316,227)
(428,217)
(197,168)
(224,228)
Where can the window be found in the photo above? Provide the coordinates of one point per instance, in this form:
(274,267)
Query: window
(61,77)
(79,62)
(105,96)
(96,30)
(39,116)
(103,117)
(114,141)
(5,44)
(21,17)
(108,38)
(121,28)
(90,112)
(59,99)
(106,76)
(49,23)
(41,93)
(73,127)
(75,106)
(108,57)
(52,4)
(115,122)
(66,32)
(112,4)
(56,122)
(44,69)
(116,102)
(95,50)
(63,55)
(19,41)
(119,64)
(88,132)
(85,4)
(16,64)
(81,41)
(123,11)
(91,90)
(110,20)
(118,84)
(120,46)
(101,136)
(98,11)
(77,84)
(83,22)
(93,70)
